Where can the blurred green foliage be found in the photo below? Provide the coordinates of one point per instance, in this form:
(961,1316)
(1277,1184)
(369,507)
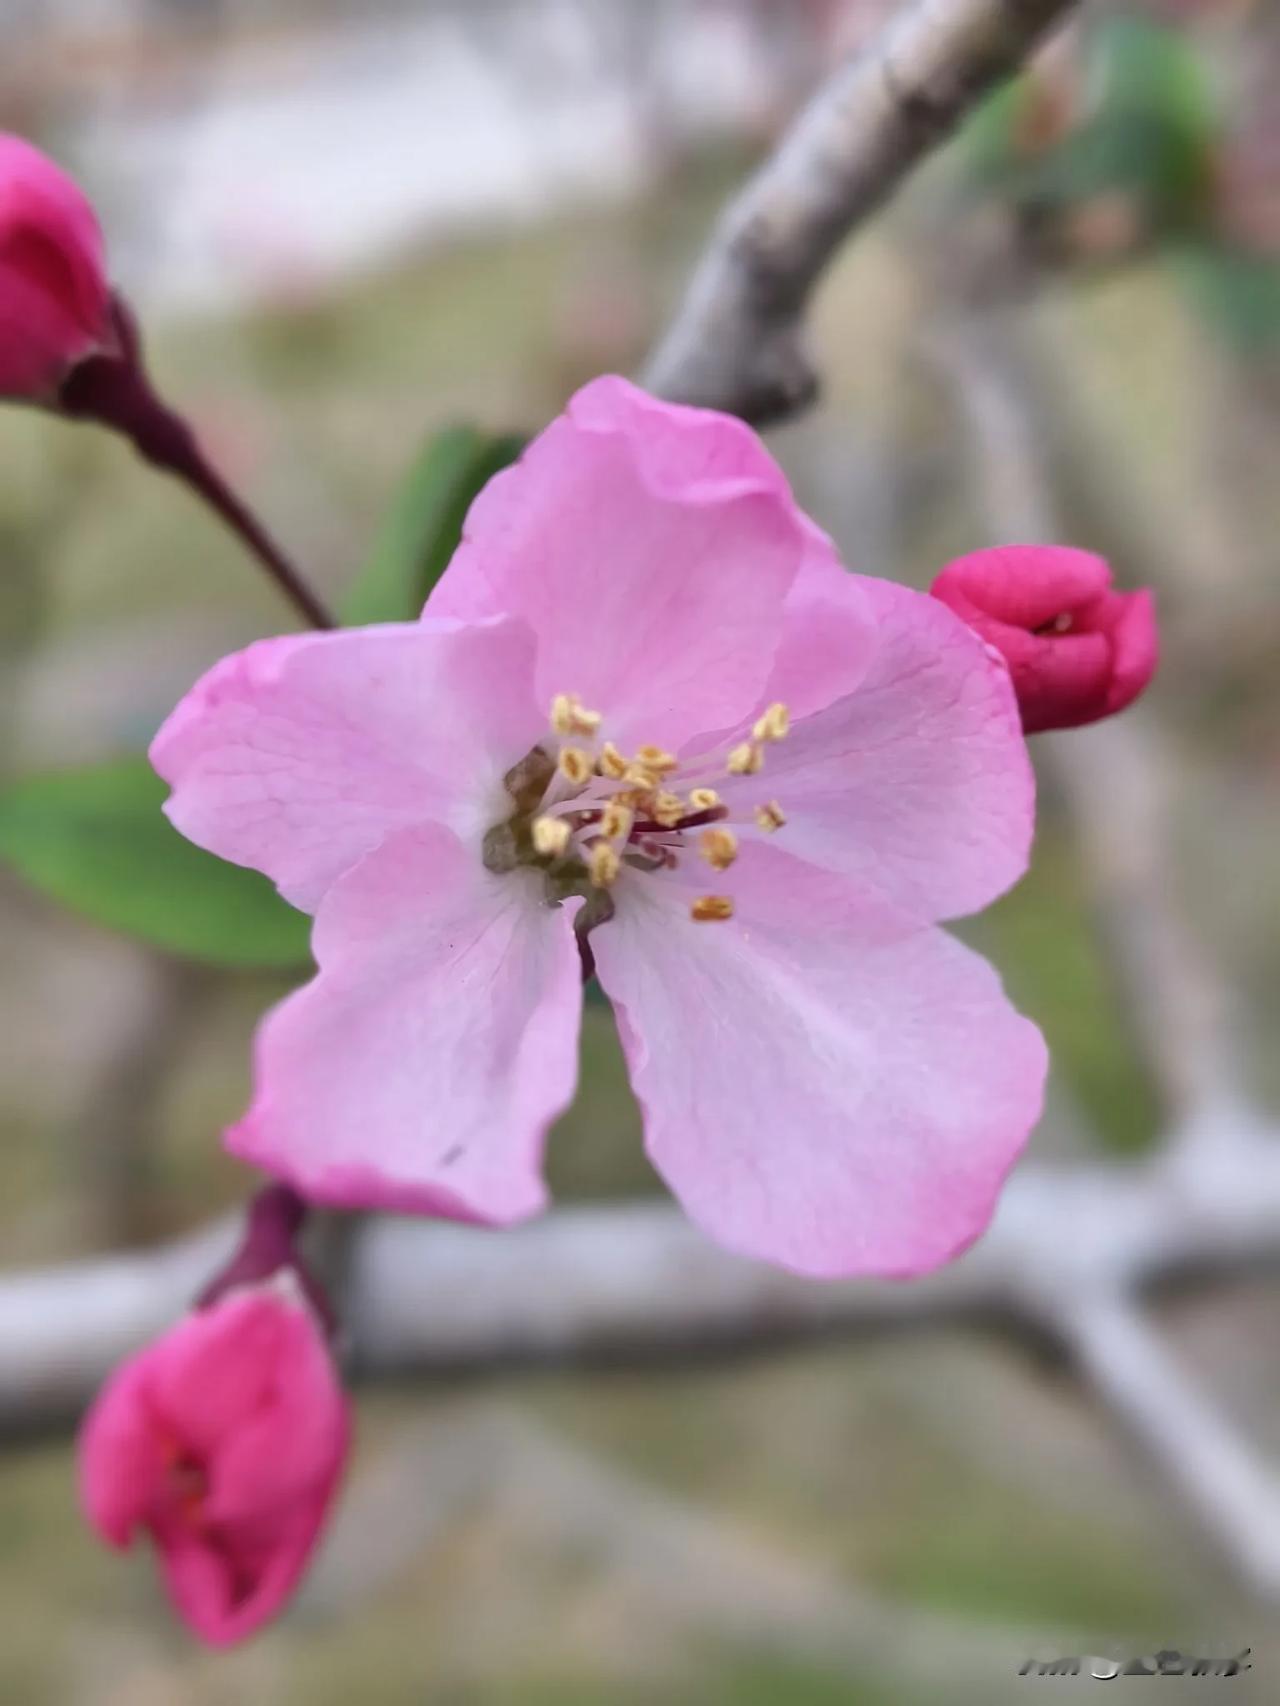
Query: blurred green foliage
(1140,122)
(96,840)
(421,530)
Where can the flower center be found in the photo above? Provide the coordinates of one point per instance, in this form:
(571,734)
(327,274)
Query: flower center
(586,811)
(186,1479)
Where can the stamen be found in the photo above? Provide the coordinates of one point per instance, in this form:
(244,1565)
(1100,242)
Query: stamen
(666,808)
(719,847)
(773,723)
(711,908)
(603,865)
(616,820)
(612,763)
(770,816)
(703,799)
(575,764)
(655,759)
(570,717)
(551,835)
(746,759)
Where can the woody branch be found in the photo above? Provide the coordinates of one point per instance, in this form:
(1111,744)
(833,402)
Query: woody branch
(1071,1248)
(737,341)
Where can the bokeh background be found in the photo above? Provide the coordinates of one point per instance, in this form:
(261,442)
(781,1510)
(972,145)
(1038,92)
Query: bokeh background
(351,222)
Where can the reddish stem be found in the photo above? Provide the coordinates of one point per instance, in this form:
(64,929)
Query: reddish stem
(113,388)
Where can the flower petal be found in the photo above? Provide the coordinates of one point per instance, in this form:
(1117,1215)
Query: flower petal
(299,755)
(917,784)
(650,547)
(54,297)
(826,1086)
(421,1068)
(829,633)
(121,1471)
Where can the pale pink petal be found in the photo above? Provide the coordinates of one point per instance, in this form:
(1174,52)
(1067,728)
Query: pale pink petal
(828,637)
(651,548)
(826,1086)
(299,755)
(421,1068)
(917,785)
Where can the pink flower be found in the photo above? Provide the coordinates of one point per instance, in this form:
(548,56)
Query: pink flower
(55,303)
(224,1439)
(587,728)
(1076,649)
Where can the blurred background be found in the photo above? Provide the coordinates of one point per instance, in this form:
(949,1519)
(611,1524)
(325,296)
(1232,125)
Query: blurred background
(349,224)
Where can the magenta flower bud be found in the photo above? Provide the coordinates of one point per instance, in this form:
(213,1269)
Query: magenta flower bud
(1076,649)
(55,302)
(224,1440)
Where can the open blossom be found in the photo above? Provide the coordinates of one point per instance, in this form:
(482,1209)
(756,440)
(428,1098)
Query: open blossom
(55,302)
(647,699)
(223,1440)
(1077,650)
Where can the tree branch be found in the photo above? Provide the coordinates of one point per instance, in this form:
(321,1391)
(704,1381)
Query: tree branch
(636,1280)
(1114,776)
(1112,779)
(737,342)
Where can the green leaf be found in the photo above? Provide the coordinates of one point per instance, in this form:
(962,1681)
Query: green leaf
(424,524)
(95,840)
(1239,293)
(1147,128)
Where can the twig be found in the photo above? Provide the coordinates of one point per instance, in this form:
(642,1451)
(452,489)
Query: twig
(1113,775)
(1111,778)
(1235,1494)
(623,1282)
(737,342)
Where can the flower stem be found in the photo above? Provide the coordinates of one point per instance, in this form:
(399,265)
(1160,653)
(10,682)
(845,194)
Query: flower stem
(113,388)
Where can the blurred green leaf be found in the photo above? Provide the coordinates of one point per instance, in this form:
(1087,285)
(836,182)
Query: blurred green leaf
(1239,293)
(1147,129)
(96,840)
(424,524)
(1140,64)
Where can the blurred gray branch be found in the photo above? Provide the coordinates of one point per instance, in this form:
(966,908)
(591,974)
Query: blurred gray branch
(1219,1143)
(737,342)
(1072,1248)
(622,1280)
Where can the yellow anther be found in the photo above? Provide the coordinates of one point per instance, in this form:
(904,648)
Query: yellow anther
(616,820)
(575,764)
(603,865)
(570,717)
(719,847)
(640,776)
(612,763)
(667,808)
(703,799)
(709,908)
(746,760)
(770,816)
(773,723)
(655,759)
(551,835)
